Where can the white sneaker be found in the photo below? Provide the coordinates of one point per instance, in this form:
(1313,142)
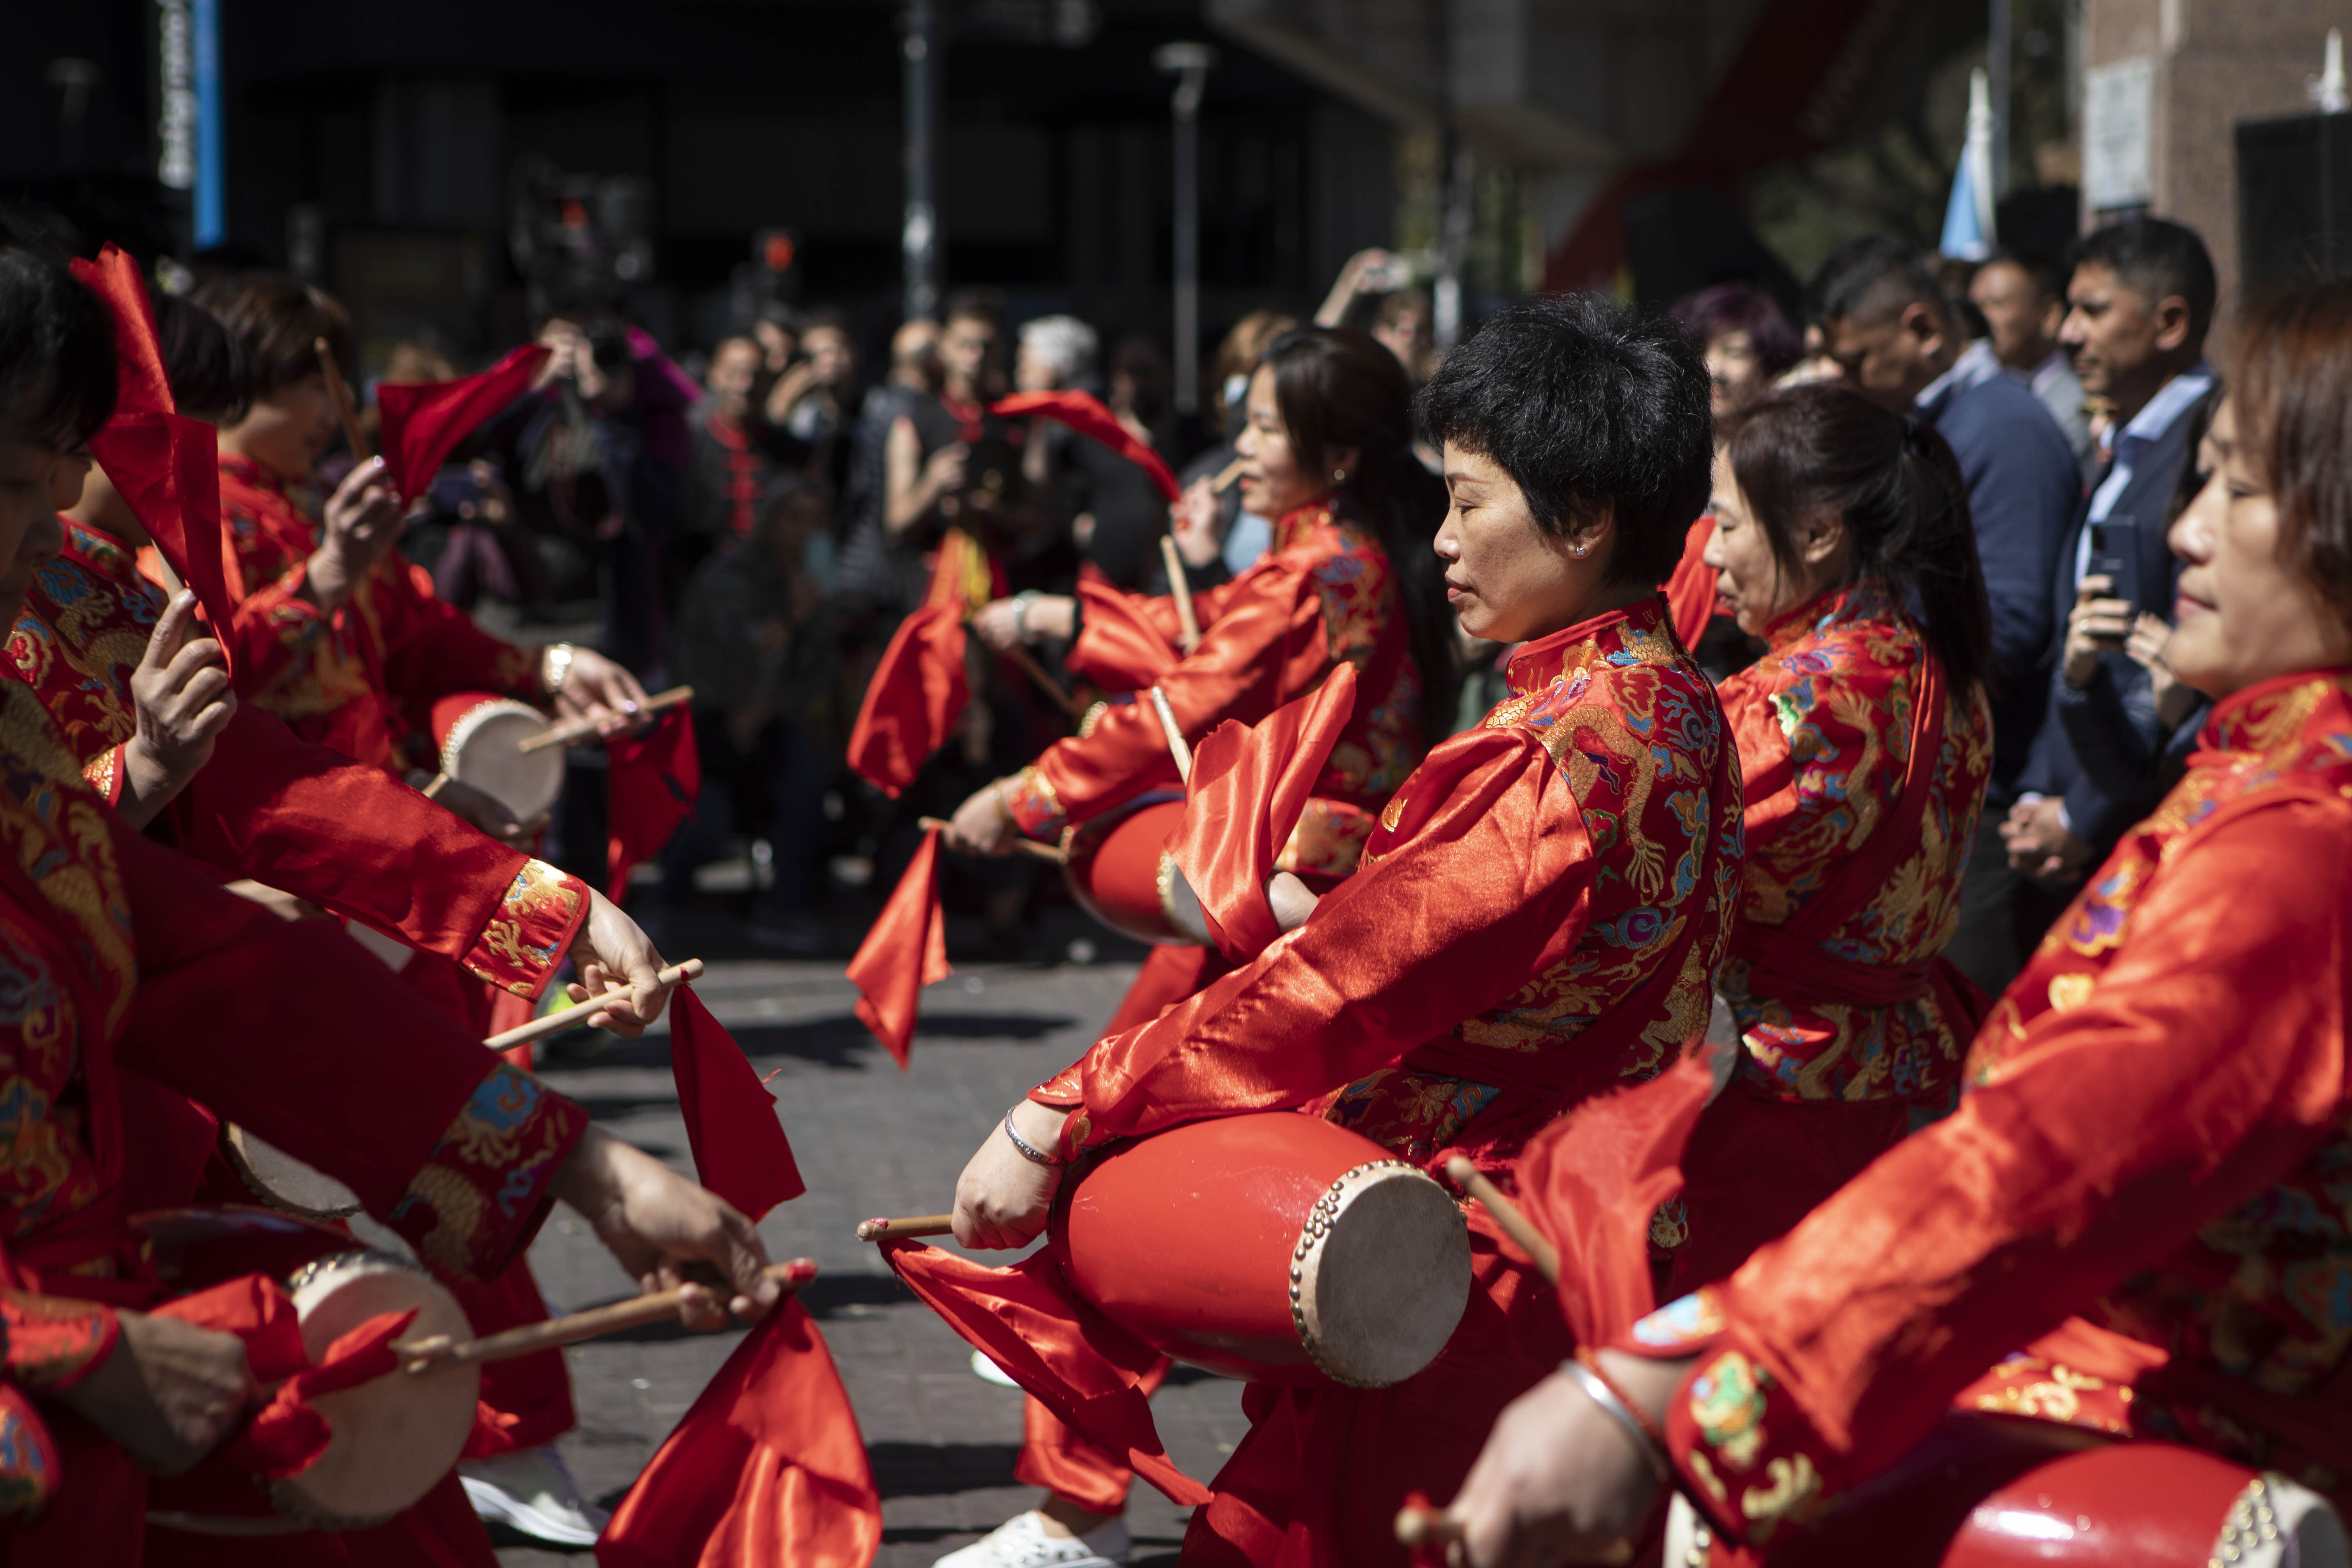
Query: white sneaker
(1021,1542)
(532,1492)
(988,1371)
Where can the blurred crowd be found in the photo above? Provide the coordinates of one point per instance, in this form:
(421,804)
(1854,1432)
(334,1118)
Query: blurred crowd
(755,517)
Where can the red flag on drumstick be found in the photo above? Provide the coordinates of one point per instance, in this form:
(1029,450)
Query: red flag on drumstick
(1086,414)
(739,1149)
(1078,1363)
(1249,785)
(906,950)
(650,789)
(1122,650)
(165,467)
(1591,1181)
(768,1467)
(424,420)
(917,692)
(1690,590)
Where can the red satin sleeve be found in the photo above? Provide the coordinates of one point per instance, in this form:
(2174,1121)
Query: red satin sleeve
(2190,1080)
(1482,881)
(1266,640)
(291,1029)
(432,648)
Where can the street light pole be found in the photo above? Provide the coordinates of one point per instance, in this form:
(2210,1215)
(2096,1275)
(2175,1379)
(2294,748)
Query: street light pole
(918,239)
(1188,64)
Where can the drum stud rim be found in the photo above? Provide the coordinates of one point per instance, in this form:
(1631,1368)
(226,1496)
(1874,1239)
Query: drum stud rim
(1311,1234)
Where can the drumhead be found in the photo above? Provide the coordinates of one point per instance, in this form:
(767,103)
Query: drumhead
(281,1181)
(1381,1275)
(396,1437)
(483,749)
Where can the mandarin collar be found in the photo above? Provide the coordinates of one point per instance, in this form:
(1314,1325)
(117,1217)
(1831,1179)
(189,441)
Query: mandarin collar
(1537,664)
(238,466)
(1301,520)
(1858,601)
(2236,721)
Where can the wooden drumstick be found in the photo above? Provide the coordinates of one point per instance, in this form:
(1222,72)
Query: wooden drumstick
(919,1224)
(425,1355)
(1506,1214)
(555,1023)
(341,393)
(1052,688)
(573,729)
(1176,746)
(1227,476)
(1020,845)
(1180,588)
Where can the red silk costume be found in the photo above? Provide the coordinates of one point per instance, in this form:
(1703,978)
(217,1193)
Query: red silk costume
(349,838)
(1538,918)
(1853,1027)
(356,678)
(2153,1140)
(1324,593)
(298,817)
(135,983)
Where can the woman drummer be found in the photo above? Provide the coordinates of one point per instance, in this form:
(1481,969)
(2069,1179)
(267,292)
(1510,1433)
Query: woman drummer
(1349,577)
(1538,919)
(1329,452)
(350,680)
(1842,540)
(2153,1134)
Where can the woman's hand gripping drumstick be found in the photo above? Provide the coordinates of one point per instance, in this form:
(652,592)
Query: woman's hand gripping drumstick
(423,1355)
(666,1233)
(618,1006)
(573,729)
(1507,1214)
(1007,1188)
(1014,844)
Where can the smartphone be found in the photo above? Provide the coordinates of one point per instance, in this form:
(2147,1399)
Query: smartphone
(2112,556)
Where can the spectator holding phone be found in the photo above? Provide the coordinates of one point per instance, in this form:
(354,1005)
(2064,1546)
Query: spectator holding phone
(2138,304)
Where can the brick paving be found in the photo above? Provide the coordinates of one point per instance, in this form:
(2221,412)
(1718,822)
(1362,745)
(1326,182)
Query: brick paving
(869,1140)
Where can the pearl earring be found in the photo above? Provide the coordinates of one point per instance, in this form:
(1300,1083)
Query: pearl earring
(1581,549)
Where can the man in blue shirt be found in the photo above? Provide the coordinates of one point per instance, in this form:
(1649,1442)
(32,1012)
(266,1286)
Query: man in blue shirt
(1899,342)
(2139,302)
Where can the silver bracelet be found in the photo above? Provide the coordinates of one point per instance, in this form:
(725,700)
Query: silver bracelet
(1035,1156)
(1601,1394)
(555,667)
(1021,602)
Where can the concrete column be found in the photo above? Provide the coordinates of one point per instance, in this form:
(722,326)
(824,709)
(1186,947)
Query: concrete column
(2209,64)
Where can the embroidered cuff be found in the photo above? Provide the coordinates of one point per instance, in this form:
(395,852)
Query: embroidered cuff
(535,923)
(1749,1457)
(29,1471)
(483,1191)
(53,1342)
(1064,1090)
(1036,808)
(104,773)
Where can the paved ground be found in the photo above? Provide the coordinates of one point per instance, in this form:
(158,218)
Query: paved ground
(869,1140)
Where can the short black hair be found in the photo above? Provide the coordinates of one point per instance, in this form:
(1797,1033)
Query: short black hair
(2039,271)
(277,321)
(1870,279)
(2158,257)
(1587,405)
(975,305)
(57,341)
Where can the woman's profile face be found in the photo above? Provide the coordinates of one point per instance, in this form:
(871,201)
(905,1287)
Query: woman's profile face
(1272,482)
(2241,615)
(288,429)
(1736,370)
(1505,577)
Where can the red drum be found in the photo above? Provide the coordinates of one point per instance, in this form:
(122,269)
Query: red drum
(480,736)
(1274,1247)
(1120,872)
(1984,1492)
(393,1439)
